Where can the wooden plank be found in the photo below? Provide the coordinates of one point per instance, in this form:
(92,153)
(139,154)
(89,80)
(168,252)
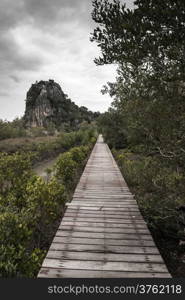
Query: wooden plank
(105,248)
(102,204)
(108,200)
(103,216)
(108,189)
(93,256)
(102,219)
(103,224)
(105,203)
(94,241)
(104,235)
(110,213)
(104,266)
(104,193)
(111,218)
(102,208)
(103,229)
(98,196)
(63,273)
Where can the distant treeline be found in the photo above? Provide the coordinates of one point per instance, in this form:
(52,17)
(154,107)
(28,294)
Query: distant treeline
(44,146)
(12,129)
(17,129)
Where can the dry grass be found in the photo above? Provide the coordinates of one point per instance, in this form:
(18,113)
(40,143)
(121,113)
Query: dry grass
(21,144)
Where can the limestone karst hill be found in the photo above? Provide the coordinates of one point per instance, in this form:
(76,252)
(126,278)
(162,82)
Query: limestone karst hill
(47,104)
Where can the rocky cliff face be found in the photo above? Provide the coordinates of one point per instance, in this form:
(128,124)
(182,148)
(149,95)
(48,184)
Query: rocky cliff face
(47,104)
(44,102)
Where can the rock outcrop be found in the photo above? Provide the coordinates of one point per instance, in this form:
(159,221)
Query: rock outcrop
(43,103)
(47,104)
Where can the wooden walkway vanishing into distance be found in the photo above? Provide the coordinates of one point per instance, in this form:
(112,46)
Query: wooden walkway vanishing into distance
(102,233)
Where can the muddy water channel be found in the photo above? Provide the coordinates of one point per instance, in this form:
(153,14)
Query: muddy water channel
(40,168)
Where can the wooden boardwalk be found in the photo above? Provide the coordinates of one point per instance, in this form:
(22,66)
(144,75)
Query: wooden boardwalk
(102,233)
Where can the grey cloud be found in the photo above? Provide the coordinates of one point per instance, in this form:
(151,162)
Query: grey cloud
(11,13)
(4,94)
(46,12)
(12,58)
(47,38)
(47,8)
(24,62)
(54,15)
(44,15)
(15,78)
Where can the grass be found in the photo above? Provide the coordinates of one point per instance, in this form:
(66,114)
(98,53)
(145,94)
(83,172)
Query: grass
(24,143)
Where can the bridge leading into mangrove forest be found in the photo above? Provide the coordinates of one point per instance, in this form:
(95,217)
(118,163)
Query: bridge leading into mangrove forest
(102,233)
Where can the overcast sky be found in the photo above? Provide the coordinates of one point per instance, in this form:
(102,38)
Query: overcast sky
(49,39)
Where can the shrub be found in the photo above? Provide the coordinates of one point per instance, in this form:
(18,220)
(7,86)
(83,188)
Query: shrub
(66,168)
(44,200)
(159,190)
(18,262)
(31,208)
(15,170)
(78,154)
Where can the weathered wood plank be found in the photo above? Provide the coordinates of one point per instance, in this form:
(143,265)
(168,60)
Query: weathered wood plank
(95,203)
(108,197)
(102,204)
(104,235)
(104,200)
(104,266)
(103,216)
(109,189)
(105,248)
(100,214)
(63,273)
(103,224)
(101,193)
(94,241)
(94,256)
(103,229)
(102,219)
(102,208)
(114,213)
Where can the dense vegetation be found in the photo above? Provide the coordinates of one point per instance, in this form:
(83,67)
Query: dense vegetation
(46,147)
(30,208)
(17,129)
(12,129)
(147,116)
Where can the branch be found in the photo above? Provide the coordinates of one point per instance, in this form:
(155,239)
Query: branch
(165,155)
